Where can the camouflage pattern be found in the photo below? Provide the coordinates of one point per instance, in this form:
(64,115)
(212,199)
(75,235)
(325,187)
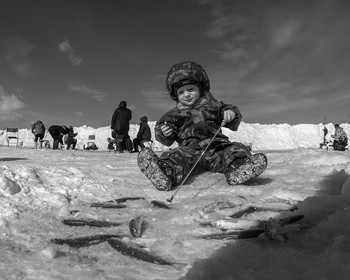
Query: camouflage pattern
(187,72)
(252,167)
(193,129)
(159,172)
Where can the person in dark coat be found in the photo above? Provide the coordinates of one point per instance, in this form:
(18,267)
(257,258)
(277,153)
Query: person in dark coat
(71,141)
(340,138)
(120,127)
(144,134)
(57,132)
(38,129)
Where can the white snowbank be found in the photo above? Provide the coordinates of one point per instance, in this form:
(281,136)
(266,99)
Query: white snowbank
(260,136)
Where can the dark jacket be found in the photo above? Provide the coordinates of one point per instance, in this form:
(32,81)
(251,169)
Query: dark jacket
(339,134)
(196,125)
(70,136)
(144,130)
(121,118)
(38,128)
(57,132)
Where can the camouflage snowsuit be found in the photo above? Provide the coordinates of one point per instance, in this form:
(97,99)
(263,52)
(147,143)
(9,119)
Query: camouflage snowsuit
(193,129)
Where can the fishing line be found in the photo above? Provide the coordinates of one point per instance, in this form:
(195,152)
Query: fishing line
(189,173)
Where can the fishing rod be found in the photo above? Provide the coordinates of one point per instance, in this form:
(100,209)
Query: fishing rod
(189,173)
(325,131)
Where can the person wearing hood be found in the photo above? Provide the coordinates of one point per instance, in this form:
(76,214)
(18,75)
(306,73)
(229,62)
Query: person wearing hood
(143,135)
(38,129)
(195,124)
(120,127)
(340,138)
(57,132)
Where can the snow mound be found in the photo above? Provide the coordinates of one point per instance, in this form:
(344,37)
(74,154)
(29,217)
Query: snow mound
(258,136)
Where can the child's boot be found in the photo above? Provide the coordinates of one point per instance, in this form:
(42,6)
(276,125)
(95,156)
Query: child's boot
(159,172)
(253,166)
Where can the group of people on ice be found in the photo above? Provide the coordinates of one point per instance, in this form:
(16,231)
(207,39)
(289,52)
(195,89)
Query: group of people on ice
(120,125)
(195,123)
(60,134)
(120,141)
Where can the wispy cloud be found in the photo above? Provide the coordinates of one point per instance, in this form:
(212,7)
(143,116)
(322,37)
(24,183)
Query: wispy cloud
(260,112)
(17,55)
(80,114)
(9,106)
(155,96)
(66,48)
(89,92)
(291,52)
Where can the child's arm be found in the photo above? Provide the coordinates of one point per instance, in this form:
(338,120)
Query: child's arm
(231,116)
(165,133)
(167,130)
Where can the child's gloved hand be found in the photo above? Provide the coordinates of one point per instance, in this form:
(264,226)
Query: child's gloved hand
(229,116)
(166,129)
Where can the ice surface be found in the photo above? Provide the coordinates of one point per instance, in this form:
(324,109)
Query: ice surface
(39,188)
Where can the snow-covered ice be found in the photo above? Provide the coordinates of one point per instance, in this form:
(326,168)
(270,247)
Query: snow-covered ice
(39,188)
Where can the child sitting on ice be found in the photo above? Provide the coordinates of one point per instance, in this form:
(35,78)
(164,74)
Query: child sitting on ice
(192,124)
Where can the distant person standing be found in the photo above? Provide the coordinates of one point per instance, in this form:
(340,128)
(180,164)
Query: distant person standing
(38,129)
(144,134)
(340,138)
(120,127)
(57,132)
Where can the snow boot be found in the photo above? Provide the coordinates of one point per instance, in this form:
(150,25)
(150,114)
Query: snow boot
(252,167)
(157,171)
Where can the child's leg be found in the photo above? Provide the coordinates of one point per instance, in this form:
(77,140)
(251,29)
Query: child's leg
(168,170)
(157,171)
(225,155)
(242,170)
(253,166)
(237,163)
(183,159)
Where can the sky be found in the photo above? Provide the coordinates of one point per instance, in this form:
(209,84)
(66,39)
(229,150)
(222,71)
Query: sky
(72,62)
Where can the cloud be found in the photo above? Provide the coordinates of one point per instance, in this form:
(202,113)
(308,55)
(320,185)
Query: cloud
(9,105)
(89,92)
(157,98)
(293,53)
(80,114)
(17,54)
(66,48)
(131,107)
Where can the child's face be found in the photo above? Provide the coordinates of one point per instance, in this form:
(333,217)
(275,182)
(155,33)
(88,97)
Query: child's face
(188,94)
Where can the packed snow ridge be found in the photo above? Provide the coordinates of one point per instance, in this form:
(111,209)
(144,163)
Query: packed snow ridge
(258,136)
